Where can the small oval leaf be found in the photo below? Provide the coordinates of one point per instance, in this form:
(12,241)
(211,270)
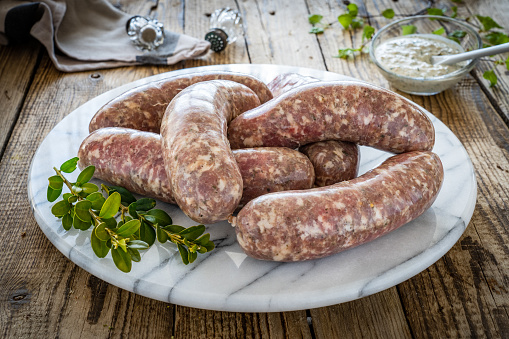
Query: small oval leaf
(121,259)
(99,247)
(67,222)
(81,209)
(85,175)
(128,228)
(61,208)
(70,165)
(101,233)
(110,206)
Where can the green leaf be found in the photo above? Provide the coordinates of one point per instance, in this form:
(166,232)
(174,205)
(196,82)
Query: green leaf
(356,23)
(408,29)
(496,38)
(346,52)
(110,206)
(135,254)
(193,232)
(191,257)
(316,30)
(111,223)
(145,204)
(99,247)
(454,11)
(101,233)
(129,228)
(491,76)
(52,194)
(174,229)
(435,11)
(82,210)
(507,63)
(85,175)
(56,182)
(183,254)
(458,34)
(367,32)
(162,236)
(345,20)
(488,23)
(138,245)
(147,233)
(67,221)
(70,165)
(97,200)
(315,18)
(388,13)
(439,31)
(127,197)
(352,9)
(122,259)
(122,244)
(457,1)
(157,216)
(80,224)
(89,188)
(61,208)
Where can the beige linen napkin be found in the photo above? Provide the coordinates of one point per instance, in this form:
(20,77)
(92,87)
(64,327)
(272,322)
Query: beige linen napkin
(88,34)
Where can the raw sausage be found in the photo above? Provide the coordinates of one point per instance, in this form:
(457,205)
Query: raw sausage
(142,108)
(133,159)
(314,223)
(205,179)
(287,81)
(338,110)
(333,161)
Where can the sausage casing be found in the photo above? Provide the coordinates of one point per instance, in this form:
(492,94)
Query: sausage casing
(338,110)
(314,223)
(333,161)
(134,160)
(204,176)
(143,107)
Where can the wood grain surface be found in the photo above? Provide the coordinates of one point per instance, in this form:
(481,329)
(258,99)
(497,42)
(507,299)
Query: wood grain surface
(465,294)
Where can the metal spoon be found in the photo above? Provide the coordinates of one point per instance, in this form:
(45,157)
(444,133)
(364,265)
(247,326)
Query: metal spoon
(455,58)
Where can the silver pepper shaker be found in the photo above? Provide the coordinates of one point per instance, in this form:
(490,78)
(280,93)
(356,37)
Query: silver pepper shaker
(145,33)
(226,26)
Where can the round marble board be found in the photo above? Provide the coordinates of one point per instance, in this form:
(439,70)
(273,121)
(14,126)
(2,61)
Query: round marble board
(226,279)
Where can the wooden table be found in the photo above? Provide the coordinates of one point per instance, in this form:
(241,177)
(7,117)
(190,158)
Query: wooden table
(464,294)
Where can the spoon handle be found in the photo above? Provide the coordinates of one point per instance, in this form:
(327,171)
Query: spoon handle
(455,58)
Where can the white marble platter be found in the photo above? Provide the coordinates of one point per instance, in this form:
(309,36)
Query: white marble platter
(226,279)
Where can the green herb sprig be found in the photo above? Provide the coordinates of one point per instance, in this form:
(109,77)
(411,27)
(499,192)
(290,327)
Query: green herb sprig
(139,224)
(486,26)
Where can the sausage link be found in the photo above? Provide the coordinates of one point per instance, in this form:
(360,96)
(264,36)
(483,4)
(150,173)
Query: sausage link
(288,81)
(134,160)
(333,161)
(340,110)
(204,177)
(143,107)
(314,223)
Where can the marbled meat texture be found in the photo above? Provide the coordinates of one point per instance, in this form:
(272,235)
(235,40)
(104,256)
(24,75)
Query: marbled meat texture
(204,177)
(128,158)
(273,169)
(134,160)
(339,110)
(314,223)
(143,107)
(287,81)
(333,161)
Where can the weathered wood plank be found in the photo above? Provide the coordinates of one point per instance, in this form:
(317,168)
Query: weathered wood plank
(17,66)
(377,316)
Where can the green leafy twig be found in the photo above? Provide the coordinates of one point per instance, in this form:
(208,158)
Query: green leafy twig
(139,226)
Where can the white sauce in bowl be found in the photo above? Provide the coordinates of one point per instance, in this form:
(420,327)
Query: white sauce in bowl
(410,55)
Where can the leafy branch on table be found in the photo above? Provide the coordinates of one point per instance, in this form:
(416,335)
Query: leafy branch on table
(139,224)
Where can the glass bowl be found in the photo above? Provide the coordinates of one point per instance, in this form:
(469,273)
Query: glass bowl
(425,25)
